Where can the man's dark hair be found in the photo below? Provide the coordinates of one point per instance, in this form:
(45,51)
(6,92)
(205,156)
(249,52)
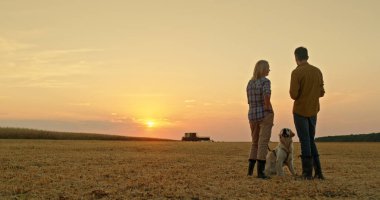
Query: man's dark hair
(301,53)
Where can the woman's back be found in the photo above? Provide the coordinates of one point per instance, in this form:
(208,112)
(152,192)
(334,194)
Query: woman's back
(256,89)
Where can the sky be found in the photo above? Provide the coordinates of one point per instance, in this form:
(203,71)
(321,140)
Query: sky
(160,68)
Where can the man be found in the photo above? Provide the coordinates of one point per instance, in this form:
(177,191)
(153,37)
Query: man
(306,87)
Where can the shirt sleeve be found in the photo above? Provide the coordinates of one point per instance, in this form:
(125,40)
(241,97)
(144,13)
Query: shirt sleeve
(294,86)
(322,86)
(266,87)
(248,92)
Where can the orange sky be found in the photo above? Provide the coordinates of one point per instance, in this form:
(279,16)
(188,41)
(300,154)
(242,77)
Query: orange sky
(162,68)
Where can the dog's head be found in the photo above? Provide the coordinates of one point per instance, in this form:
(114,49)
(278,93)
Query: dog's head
(286,136)
(285,132)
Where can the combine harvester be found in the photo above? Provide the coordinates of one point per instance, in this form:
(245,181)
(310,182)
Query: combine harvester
(194,137)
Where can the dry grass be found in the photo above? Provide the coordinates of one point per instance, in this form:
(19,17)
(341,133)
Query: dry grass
(45,169)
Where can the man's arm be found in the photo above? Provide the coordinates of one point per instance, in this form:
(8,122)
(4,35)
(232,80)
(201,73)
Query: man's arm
(294,87)
(322,87)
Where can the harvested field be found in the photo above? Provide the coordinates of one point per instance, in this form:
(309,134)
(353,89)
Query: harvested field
(56,169)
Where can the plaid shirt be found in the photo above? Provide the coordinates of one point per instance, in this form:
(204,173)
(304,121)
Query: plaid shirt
(256,89)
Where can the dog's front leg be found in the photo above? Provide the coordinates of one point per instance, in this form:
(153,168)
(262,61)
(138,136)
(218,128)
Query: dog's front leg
(291,167)
(280,163)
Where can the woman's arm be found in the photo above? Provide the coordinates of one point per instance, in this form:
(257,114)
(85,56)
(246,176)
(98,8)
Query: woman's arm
(267,93)
(267,103)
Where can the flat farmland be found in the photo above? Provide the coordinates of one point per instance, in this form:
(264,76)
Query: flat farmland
(67,169)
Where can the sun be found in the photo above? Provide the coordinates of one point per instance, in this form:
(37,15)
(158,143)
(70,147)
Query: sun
(150,124)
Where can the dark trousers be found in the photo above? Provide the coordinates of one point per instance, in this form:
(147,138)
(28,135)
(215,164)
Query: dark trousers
(306,132)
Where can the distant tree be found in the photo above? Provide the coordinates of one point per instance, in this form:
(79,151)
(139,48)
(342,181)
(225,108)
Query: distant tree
(372,137)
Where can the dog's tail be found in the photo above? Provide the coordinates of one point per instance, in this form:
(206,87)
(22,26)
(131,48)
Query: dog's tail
(273,151)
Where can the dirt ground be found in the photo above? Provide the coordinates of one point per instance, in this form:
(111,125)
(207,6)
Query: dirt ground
(46,169)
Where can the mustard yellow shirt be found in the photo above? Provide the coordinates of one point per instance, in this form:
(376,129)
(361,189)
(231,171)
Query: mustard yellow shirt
(306,87)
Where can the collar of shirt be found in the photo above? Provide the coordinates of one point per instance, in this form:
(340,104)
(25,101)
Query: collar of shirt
(303,64)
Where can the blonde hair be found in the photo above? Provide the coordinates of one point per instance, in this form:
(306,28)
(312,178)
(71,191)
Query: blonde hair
(260,67)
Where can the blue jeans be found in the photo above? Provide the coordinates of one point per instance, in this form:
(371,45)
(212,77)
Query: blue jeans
(306,132)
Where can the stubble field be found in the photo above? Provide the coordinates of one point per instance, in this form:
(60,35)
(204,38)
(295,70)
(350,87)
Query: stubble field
(47,169)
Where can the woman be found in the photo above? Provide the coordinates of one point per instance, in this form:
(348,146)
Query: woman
(260,117)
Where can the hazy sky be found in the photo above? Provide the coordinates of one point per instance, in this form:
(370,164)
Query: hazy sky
(118,67)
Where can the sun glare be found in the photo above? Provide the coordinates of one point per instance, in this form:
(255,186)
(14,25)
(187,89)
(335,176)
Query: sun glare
(150,124)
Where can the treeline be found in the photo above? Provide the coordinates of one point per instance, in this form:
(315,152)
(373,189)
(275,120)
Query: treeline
(24,133)
(372,137)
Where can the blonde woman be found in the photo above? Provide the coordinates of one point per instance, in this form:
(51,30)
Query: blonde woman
(260,117)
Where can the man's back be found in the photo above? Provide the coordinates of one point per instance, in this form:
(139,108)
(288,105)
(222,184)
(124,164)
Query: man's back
(306,87)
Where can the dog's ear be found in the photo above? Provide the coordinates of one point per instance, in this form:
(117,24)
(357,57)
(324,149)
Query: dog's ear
(292,134)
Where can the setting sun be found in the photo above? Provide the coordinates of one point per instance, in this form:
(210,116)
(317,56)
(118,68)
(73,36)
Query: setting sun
(150,124)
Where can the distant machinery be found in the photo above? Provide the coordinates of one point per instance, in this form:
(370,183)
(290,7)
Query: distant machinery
(194,137)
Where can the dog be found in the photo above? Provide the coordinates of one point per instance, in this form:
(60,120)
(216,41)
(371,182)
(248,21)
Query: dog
(282,155)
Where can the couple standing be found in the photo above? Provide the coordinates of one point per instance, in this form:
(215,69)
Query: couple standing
(306,87)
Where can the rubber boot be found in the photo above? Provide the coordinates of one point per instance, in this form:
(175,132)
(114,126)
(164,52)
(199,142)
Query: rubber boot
(261,169)
(317,168)
(307,167)
(251,166)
